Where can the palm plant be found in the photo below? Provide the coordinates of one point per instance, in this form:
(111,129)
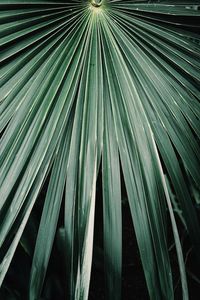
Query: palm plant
(99,86)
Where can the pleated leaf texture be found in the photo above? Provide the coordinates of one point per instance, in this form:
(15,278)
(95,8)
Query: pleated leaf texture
(89,87)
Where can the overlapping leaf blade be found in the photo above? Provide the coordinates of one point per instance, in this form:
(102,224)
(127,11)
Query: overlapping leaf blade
(79,83)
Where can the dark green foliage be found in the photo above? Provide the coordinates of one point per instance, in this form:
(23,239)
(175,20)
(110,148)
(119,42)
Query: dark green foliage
(88,87)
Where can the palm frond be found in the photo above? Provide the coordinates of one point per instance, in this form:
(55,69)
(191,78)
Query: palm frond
(117,82)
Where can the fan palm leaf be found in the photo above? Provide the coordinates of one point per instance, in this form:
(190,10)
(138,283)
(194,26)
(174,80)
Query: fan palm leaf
(85,82)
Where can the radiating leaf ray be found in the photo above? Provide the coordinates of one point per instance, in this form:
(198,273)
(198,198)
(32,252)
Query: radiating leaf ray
(152,211)
(85,85)
(71,208)
(49,217)
(49,128)
(111,204)
(150,70)
(45,57)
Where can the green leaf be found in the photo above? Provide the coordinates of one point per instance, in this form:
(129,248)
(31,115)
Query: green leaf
(108,88)
(111,205)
